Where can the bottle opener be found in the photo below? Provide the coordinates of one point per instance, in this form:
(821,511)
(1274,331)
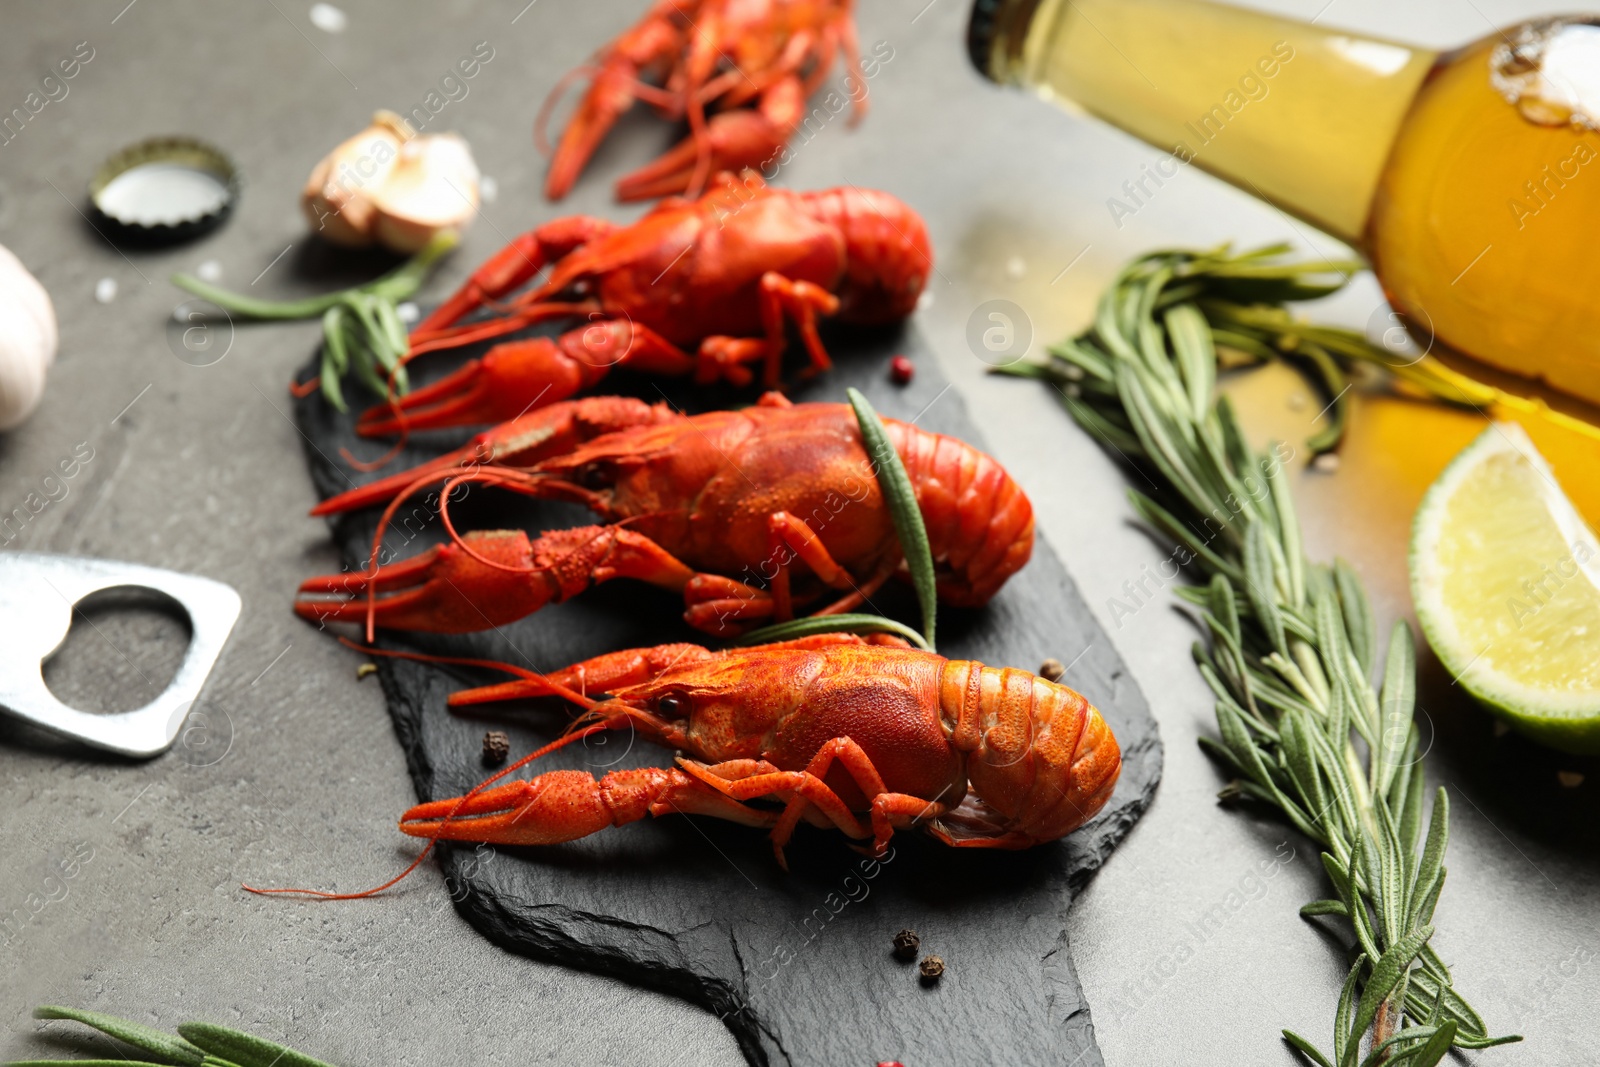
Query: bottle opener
(37,594)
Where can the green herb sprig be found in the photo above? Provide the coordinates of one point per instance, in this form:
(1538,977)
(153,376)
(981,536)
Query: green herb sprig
(361,327)
(195,1045)
(1293,645)
(901,500)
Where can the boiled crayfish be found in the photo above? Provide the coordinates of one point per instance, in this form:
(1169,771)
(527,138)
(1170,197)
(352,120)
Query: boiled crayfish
(700,288)
(728,54)
(860,737)
(778,493)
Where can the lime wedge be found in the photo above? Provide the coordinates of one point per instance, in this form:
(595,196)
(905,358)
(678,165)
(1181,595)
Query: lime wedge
(1506,579)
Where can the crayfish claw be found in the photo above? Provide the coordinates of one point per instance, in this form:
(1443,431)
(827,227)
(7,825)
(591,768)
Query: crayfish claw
(507,382)
(554,807)
(565,805)
(487,580)
(735,140)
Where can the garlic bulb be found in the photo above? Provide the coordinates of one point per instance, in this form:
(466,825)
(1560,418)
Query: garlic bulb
(389,185)
(27,340)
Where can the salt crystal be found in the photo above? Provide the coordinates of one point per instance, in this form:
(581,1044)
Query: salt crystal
(488,189)
(1327,463)
(1016,267)
(408,311)
(105,290)
(328,18)
(925,301)
(210,271)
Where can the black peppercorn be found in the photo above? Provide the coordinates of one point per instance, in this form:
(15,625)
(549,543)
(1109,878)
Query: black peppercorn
(495,747)
(932,968)
(906,943)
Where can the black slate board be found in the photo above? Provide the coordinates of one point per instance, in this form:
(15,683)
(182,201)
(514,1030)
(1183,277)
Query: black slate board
(797,966)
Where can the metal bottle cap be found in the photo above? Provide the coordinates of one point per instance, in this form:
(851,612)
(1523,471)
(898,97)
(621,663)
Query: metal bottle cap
(996,24)
(163,190)
(982,27)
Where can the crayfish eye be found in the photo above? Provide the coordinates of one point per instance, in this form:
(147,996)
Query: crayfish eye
(673,705)
(592,477)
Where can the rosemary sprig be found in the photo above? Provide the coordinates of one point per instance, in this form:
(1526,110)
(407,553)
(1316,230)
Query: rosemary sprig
(361,326)
(1293,646)
(195,1045)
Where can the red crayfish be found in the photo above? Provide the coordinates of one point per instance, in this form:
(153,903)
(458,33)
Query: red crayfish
(725,53)
(700,287)
(778,493)
(842,733)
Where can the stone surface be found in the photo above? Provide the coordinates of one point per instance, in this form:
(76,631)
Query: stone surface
(798,966)
(197,467)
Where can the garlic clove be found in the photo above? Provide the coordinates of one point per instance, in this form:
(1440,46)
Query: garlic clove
(28,340)
(433,186)
(337,196)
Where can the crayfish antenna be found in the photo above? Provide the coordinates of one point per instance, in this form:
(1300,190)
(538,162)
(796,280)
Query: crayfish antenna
(461,806)
(516,443)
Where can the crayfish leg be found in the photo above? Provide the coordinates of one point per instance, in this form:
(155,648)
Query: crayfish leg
(802,301)
(973,824)
(804,790)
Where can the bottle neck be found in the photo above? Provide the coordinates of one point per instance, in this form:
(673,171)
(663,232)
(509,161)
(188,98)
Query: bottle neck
(1299,115)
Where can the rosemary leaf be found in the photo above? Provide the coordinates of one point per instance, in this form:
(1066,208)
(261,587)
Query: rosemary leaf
(830,624)
(1358,624)
(1197,360)
(1323,907)
(1386,974)
(1260,586)
(1436,1046)
(1306,1047)
(1431,863)
(246,1050)
(162,1046)
(903,510)
(1347,1007)
(1399,698)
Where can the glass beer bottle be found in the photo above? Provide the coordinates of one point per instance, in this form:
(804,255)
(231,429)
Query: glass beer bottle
(1468,178)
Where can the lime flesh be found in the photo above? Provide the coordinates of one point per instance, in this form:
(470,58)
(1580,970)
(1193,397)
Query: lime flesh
(1506,579)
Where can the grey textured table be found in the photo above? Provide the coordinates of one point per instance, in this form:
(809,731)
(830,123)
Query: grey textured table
(200,469)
